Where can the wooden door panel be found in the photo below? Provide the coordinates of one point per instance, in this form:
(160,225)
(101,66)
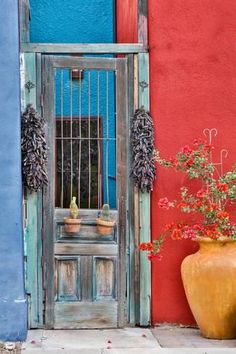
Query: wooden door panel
(86,249)
(104,275)
(85,292)
(88,231)
(67,273)
(73,315)
(86,278)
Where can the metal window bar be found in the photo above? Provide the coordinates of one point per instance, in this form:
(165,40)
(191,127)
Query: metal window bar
(71,135)
(89,144)
(98,142)
(80,136)
(107,136)
(62,134)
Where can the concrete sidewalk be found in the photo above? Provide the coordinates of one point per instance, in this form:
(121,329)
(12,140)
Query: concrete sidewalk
(159,340)
(184,337)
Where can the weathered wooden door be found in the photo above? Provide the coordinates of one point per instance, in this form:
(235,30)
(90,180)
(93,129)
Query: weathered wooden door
(85,108)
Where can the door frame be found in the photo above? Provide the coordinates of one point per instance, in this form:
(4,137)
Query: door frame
(138,221)
(119,65)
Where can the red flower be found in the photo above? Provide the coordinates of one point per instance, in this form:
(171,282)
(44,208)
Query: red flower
(146,246)
(173,161)
(189,233)
(165,204)
(189,163)
(223,215)
(213,234)
(186,150)
(199,204)
(182,205)
(156,256)
(168,227)
(208,147)
(176,234)
(222,187)
(201,193)
(197,227)
(214,206)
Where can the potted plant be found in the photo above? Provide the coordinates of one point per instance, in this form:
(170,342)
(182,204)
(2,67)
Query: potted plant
(209,275)
(72,223)
(105,223)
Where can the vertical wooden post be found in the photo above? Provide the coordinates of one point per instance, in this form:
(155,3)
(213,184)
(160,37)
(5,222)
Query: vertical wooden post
(24,14)
(144,206)
(121,157)
(144,198)
(31,205)
(130,207)
(39,202)
(143,22)
(32,232)
(30,73)
(136,213)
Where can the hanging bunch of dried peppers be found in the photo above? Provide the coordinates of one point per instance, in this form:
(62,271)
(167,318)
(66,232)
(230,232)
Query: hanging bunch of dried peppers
(34,150)
(142,144)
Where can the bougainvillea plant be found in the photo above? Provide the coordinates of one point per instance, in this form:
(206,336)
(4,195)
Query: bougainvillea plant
(207,208)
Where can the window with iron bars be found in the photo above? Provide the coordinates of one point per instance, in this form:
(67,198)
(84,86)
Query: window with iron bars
(72,162)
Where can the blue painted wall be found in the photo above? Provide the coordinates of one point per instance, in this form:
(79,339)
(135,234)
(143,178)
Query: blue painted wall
(13,311)
(60,21)
(72,21)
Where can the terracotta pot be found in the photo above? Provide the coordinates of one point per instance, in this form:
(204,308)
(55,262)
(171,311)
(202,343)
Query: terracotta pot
(104,227)
(209,278)
(72,225)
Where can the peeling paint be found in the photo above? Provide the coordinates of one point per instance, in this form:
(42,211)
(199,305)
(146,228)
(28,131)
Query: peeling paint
(19,300)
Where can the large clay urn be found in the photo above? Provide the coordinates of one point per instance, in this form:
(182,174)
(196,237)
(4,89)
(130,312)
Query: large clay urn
(209,278)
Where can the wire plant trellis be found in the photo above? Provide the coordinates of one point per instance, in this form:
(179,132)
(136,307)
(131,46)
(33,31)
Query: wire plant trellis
(85,144)
(210,134)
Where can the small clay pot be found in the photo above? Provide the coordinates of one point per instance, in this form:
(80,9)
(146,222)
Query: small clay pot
(72,225)
(104,227)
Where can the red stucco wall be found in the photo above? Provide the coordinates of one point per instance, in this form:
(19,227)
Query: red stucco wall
(193,86)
